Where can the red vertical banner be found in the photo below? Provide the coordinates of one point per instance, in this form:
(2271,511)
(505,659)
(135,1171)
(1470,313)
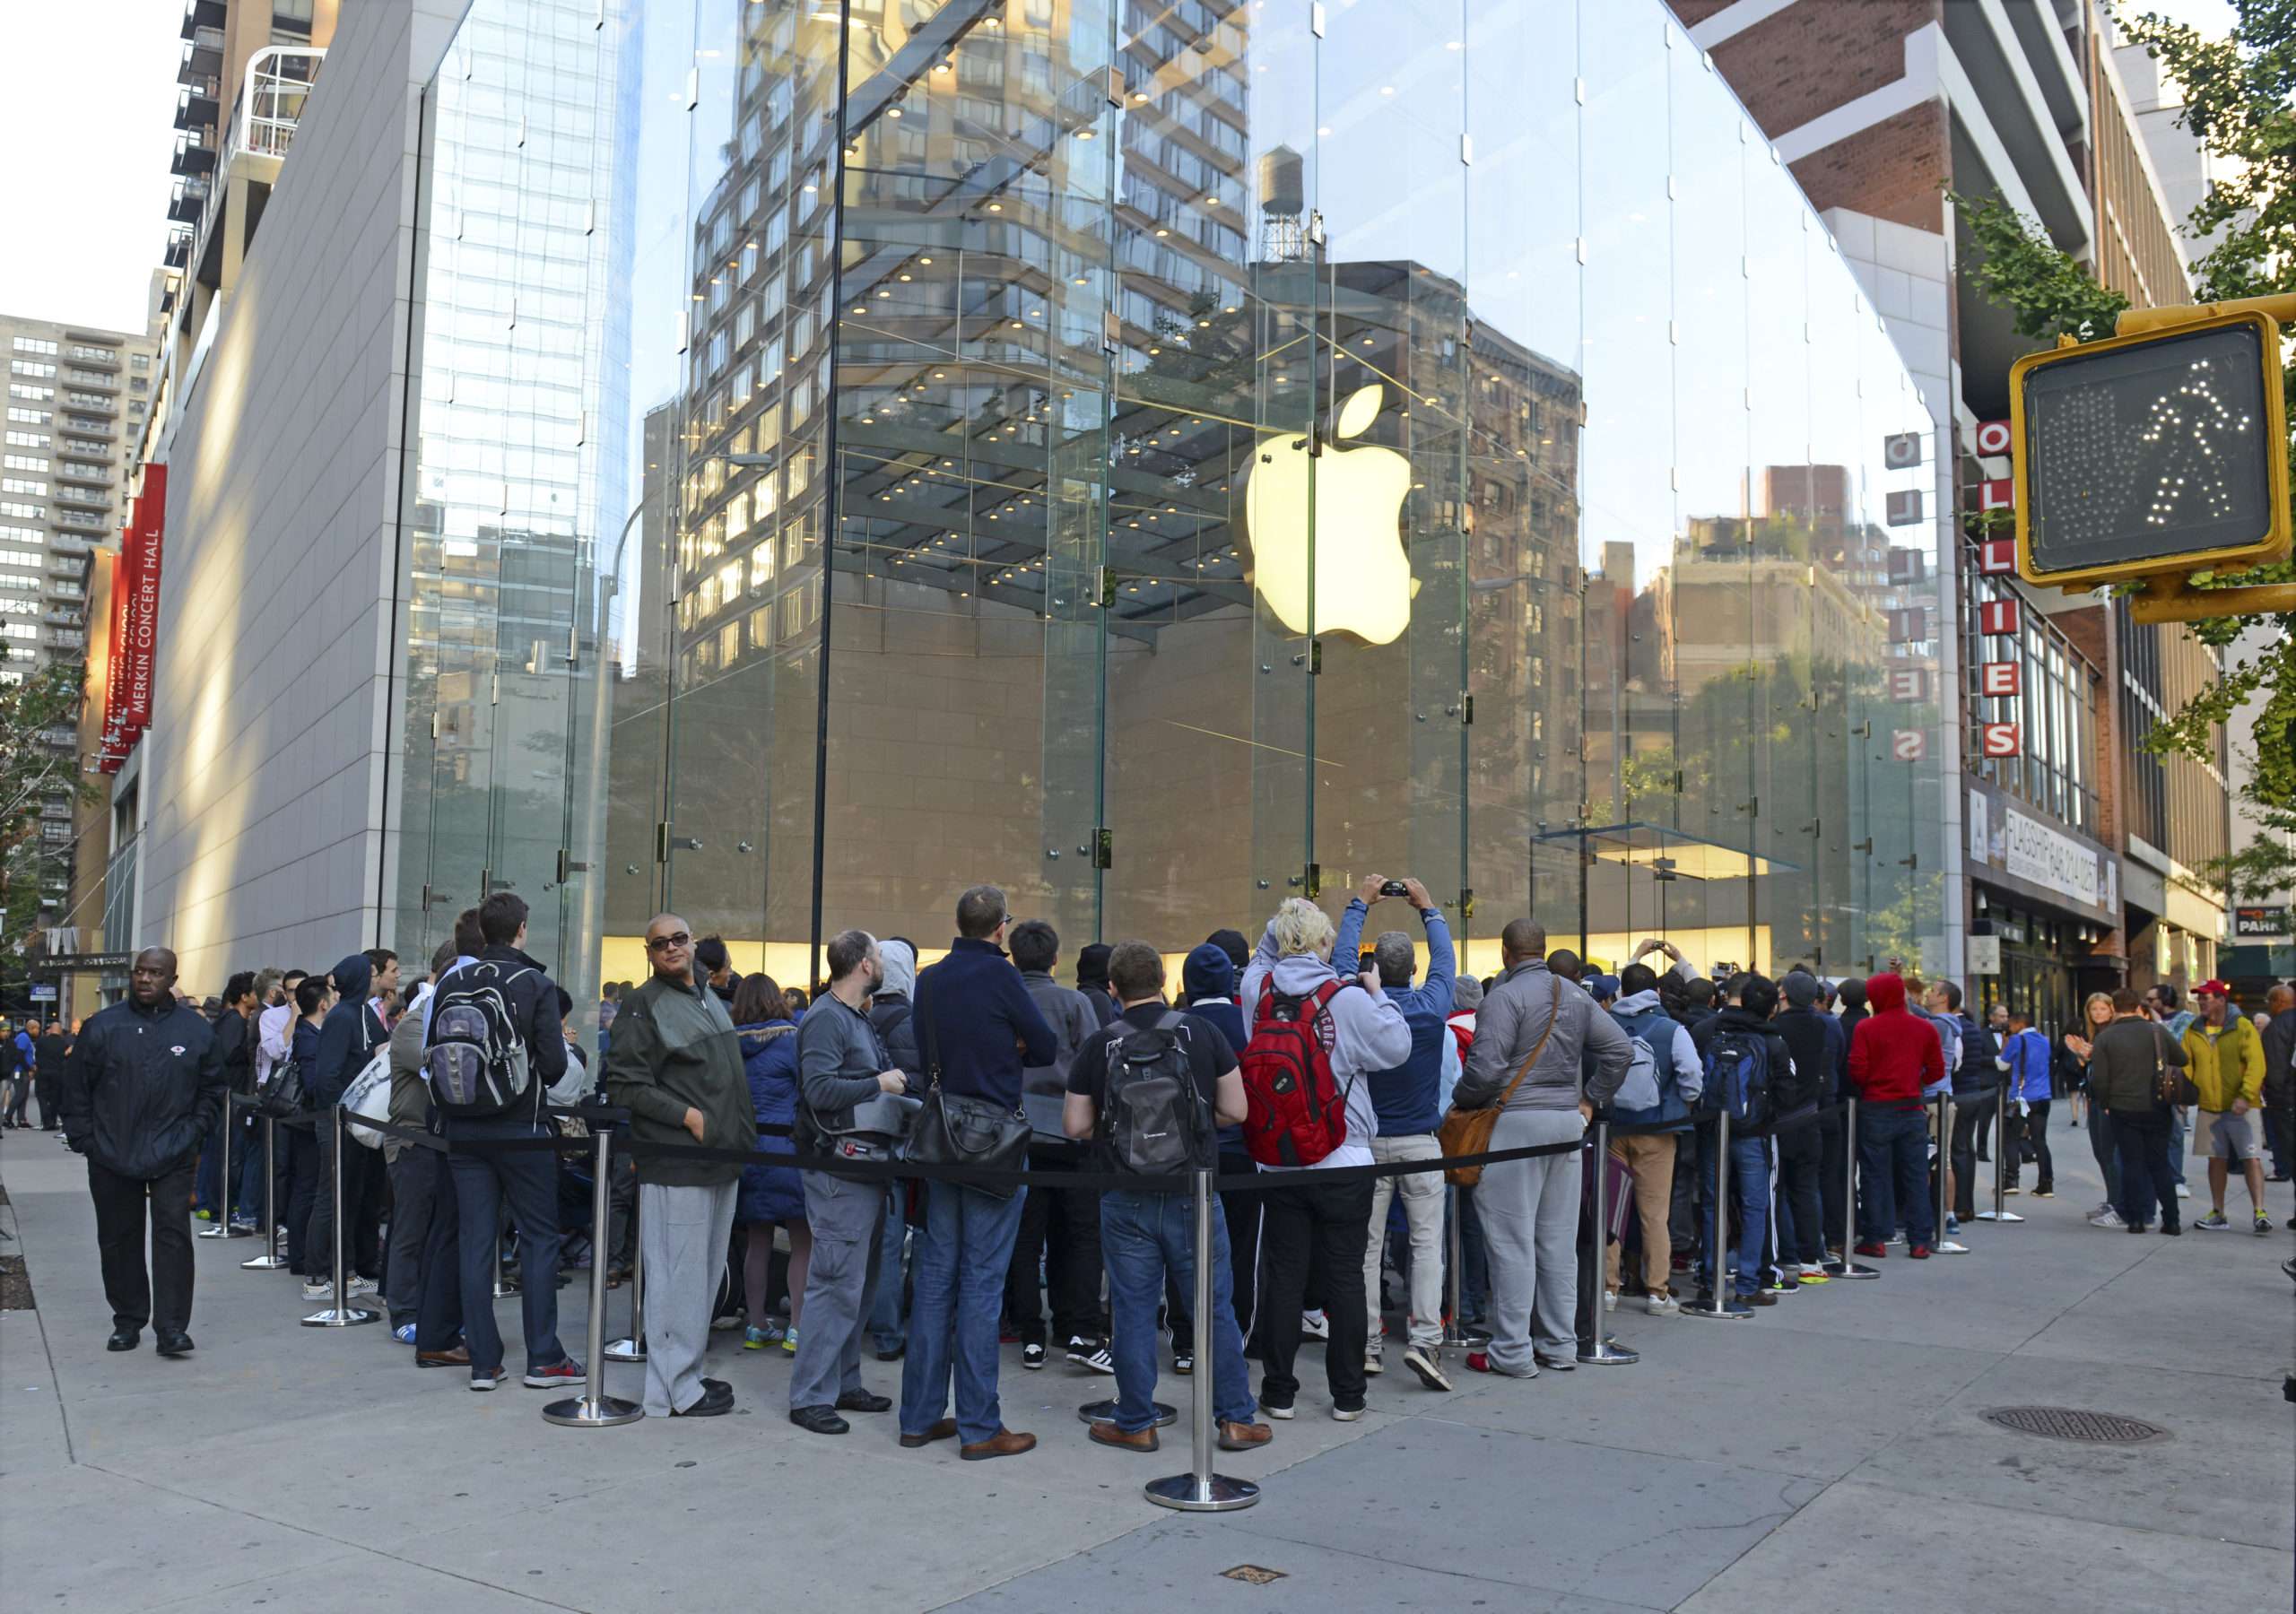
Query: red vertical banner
(143,600)
(102,681)
(112,744)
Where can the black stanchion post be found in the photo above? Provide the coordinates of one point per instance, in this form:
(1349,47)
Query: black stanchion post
(2004,1152)
(1200,1491)
(1455,1336)
(1718,1295)
(1849,1267)
(271,1260)
(593,1408)
(633,1349)
(1601,1350)
(338,1314)
(223,1227)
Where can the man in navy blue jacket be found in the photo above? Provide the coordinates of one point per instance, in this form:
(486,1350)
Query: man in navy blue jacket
(1408,1101)
(348,1034)
(977,1029)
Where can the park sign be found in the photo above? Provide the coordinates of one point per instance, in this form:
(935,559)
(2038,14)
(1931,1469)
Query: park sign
(2154,454)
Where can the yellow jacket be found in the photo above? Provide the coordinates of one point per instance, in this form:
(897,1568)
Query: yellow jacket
(2225,1063)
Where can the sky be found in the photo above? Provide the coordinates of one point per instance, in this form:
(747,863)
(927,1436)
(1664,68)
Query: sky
(89,228)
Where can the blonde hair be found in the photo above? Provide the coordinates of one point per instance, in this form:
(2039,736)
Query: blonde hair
(1302,927)
(2089,1003)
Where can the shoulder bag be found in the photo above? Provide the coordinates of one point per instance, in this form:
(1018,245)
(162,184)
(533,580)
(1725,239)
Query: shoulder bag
(957,1129)
(1468,1132)
(2170,1083)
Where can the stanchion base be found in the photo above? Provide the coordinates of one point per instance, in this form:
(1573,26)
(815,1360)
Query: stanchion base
(1215,1494)
(1104,1411)
(581,1412)
(348,1318)
(1839,1269)
(264,1264)
(1609,1353)
(625,1351)
(1715,1315)
(1999,1216)
(1947,1246)
(225,1231)
(1455,1340)
(506,1291)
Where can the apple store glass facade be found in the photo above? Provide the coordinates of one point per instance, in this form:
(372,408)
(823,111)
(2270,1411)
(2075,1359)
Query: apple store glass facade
(1161,457)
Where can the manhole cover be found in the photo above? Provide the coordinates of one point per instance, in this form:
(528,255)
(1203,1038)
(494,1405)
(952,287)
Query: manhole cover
(2072,1423)
(1251,1575)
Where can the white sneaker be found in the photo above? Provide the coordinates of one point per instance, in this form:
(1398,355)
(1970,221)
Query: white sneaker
(1314,1325)
(1661,1306)
(2183,1191)
(1610,1300)
(359,1285)
(1347,1414)
(1373,1364)
(321,1291)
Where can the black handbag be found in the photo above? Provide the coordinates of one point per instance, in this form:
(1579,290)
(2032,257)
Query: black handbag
(957,1129)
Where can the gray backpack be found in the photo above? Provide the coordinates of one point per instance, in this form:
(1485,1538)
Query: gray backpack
(477,1063)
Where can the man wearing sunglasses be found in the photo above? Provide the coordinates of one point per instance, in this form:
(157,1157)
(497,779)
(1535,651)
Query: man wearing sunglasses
(676,1067)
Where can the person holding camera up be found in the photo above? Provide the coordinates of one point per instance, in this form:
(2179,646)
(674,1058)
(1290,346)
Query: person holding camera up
(1407,1099)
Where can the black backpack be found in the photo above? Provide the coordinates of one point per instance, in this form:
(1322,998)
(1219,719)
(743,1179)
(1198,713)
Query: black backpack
(477,1063)
(1153,1120)
(1738,1078)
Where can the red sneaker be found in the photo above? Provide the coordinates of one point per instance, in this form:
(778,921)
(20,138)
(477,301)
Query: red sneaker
(1875,1252)
(1920,1253)
(1478,1362)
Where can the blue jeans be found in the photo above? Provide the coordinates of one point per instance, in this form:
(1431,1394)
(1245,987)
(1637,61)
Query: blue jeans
(2176,1168)
(961,1254)
(1894,1171)
(528,1182)
(1750,1191)
(1144,1238)
(885,1325)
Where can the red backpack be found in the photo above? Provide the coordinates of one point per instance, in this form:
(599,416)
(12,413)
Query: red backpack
(1295,1112)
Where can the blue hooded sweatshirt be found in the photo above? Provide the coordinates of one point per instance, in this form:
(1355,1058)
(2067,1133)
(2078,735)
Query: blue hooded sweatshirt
(343,1039)
(1409,1097)
(1208,975)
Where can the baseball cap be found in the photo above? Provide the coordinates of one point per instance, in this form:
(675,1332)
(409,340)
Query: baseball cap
(1801,988)
(2212,989)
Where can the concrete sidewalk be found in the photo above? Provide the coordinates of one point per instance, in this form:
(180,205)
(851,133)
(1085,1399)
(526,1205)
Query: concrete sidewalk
(1828,1454)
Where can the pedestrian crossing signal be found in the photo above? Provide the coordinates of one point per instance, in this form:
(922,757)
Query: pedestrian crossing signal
(2162,451)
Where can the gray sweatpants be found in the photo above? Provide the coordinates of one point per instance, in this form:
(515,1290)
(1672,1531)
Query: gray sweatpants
(847,1218)
(682,1233)
(1530,1224)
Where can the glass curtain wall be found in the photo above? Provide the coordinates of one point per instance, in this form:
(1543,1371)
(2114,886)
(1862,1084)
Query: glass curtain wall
(1162,458)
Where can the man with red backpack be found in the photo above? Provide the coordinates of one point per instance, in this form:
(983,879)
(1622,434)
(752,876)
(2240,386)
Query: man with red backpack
(1315,1036)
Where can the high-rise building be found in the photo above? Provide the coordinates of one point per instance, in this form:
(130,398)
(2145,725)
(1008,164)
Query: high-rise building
(2072,856)
(77,399)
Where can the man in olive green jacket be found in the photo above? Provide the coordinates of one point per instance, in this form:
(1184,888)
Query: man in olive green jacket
(676,1067)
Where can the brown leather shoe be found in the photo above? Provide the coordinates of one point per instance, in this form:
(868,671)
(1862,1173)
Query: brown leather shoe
(946,1430)
(1243,1437)
(458,1356)
(1140,1440)
(1004,1442)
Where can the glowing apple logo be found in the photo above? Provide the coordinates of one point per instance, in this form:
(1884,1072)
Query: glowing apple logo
(1364,581)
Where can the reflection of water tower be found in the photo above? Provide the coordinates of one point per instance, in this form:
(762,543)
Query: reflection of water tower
(1282,206)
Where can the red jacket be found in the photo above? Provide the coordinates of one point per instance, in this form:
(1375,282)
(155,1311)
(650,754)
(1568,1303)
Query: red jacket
(1894,1054)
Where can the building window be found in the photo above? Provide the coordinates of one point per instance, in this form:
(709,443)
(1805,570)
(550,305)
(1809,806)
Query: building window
(27,440)
(19,484)
(23,462)
(26,367)
(32,345)
(30,395)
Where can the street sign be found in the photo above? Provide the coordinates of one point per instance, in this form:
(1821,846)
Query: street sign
(43,992)
(2161,452)
(2261,923)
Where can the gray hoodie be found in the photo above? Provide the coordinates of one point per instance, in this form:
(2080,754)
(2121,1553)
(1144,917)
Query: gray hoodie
(1690,1070)
(1508,1026)
(1370,1033)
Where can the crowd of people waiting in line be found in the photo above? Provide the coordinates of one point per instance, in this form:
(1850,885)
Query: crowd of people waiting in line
(821,1265)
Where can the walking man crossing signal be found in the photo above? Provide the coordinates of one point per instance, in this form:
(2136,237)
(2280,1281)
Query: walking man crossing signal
(2156,454)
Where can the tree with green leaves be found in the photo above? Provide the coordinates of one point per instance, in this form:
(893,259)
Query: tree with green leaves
(31,771)
(2240,103)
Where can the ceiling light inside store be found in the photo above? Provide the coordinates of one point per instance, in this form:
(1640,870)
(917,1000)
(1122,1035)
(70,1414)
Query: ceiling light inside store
(1083,134)
(997,207)
(1138,96)
(892,111)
